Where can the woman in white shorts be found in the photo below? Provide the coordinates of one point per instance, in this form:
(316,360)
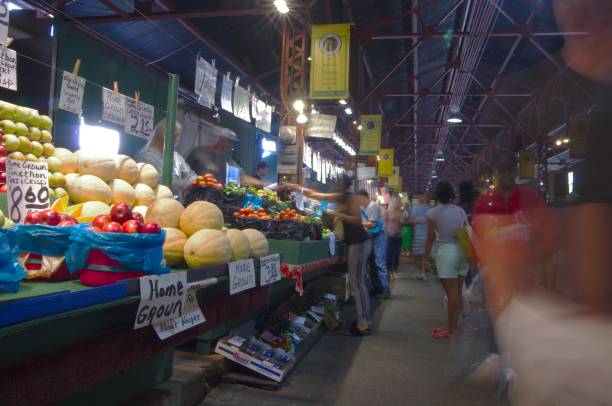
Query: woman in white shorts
(443,222)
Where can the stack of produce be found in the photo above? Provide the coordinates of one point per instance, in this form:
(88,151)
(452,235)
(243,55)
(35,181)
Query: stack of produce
(205,188)
(289,214)
(251,212)
(123,220)
(26,136)
(208,180)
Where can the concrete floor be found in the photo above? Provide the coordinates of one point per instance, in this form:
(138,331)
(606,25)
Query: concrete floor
(399,364)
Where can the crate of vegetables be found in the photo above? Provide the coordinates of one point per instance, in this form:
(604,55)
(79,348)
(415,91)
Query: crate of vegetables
(252,218)
(206,188)
(289,225)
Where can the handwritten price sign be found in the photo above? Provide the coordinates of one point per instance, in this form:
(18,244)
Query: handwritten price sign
(139,119)
(8,69)
(27,188)
(113,106)
(4,20)
(270,269)
(241,276)
(71,93)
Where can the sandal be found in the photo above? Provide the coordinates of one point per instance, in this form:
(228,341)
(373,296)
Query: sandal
(441,336)
(354,331)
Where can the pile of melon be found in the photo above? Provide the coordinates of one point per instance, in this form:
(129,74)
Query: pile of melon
(195,235)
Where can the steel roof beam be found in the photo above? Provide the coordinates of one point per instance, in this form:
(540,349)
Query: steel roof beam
(168,15)
(458,34)
(114,8)
(443,125)
(427,94)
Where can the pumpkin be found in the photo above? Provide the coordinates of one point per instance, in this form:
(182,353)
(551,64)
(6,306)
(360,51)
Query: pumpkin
(148,175)
(68,161)
(259,243)
(100,165)
(122,192)
(126,169)
(200,215)
(241,247)
(144,195)
(162,192)
(165,212)
(207,247)
(88,188)
(174,246)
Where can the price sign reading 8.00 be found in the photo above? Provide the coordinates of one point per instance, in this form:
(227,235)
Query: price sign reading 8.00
(139,119)
(27,188)
(270,269)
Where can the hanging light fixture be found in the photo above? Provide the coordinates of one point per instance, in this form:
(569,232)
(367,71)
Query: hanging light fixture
(348,111)
(298,105)
(360,127)
(440,156)
(302,118)
(454,120)
(281,6)
(342,102)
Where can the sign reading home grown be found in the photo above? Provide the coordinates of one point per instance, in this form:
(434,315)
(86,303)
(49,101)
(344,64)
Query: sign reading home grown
(162,297)
(241,276)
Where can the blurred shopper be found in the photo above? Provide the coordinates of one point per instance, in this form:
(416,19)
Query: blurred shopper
(393,217)
(467,197)
(373,221)
(358,243)
(261,171)
(419,234)
(406,231)
(443,223)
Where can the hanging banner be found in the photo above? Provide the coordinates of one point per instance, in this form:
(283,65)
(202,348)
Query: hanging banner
(366,172)
(329,67)
(71,93)
(526,164)
(241,103)
(385,163)
(369,137)
(394,178)
(227,87)
(321,126)
(205,83)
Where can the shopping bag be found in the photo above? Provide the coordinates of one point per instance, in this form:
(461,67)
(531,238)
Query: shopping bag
(464,237)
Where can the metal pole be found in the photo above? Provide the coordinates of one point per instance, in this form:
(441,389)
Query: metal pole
(173,82)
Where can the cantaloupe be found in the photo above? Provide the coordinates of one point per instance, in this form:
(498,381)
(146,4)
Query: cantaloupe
(68,161)
(126,169)
(140,209)
(174,246)
(259,243)
(70,177)
(122,192)
(165,212)
(88,188)
(148,175)
(163,192)
(200,215)
(144,195)
(94,208)
(241,247)
(207,247)
(100,165)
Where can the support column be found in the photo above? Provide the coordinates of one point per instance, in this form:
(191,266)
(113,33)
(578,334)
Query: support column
(173,81)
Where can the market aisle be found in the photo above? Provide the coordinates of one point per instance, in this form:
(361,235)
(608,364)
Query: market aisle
(399,364)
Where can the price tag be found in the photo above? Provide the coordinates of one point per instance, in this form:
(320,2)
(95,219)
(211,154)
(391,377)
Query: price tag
(113,106)
(205,83)
(8,69)
(139,118)
(191,317)
(226,94)
(27,188)
(71,93)
(4,20)
(162,297)
(241,103)
(270,269)
(241,275)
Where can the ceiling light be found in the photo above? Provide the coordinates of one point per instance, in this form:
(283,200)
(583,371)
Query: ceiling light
(348,111)
(298,105)
(309,58)
(342,101)
(558,142)
(302,118)
(454,120)
(440,156)
(359,127)
(281,6)
(355,122)
(566,140)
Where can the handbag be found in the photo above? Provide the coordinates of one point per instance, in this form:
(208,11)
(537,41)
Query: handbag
(465,237)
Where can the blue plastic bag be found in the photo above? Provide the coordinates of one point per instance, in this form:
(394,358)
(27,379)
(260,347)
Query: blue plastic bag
(11,271)
(45,240)
(138,252)
(253,201)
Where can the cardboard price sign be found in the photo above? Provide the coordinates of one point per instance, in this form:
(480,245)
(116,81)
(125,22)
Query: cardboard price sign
(27,188)
(8,69)
(139,119)
(270,269)
(241,276)
(162,297)
(192,317)
(113,106)
(71,93)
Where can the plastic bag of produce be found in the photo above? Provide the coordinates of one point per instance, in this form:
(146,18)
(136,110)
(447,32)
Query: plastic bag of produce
(11,271)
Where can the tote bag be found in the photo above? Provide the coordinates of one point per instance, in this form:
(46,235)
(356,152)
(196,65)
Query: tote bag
(465,237)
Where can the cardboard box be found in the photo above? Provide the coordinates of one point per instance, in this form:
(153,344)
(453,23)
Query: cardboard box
(336,284)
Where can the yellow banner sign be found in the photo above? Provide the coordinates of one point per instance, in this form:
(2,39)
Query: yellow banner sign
(329,65)
(527,164)
(394,179)
(385,162)
(369,137)
(400,187)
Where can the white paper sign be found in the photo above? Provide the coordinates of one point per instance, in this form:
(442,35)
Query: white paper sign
(205,83)
(241,276)
(162,297)
(139,118)
(4,20)
(8,68)
(270,269)
(227,86)
(264,118)
(71,93)
(332,244)
(241,103)
(191,317)
(27,188)
(113,106)
(255,114)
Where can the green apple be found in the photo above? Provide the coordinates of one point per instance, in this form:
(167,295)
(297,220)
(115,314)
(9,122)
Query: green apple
(17,155)
(34,133)
(48,149)
(37,149)
(31,158)
(7,110)
(21,129)
(11,142)
(8,127)
(53,164)
(34,120)
(60,191)
(45,122)
(22,114)
(45,136)
(25,144)
(51,180)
